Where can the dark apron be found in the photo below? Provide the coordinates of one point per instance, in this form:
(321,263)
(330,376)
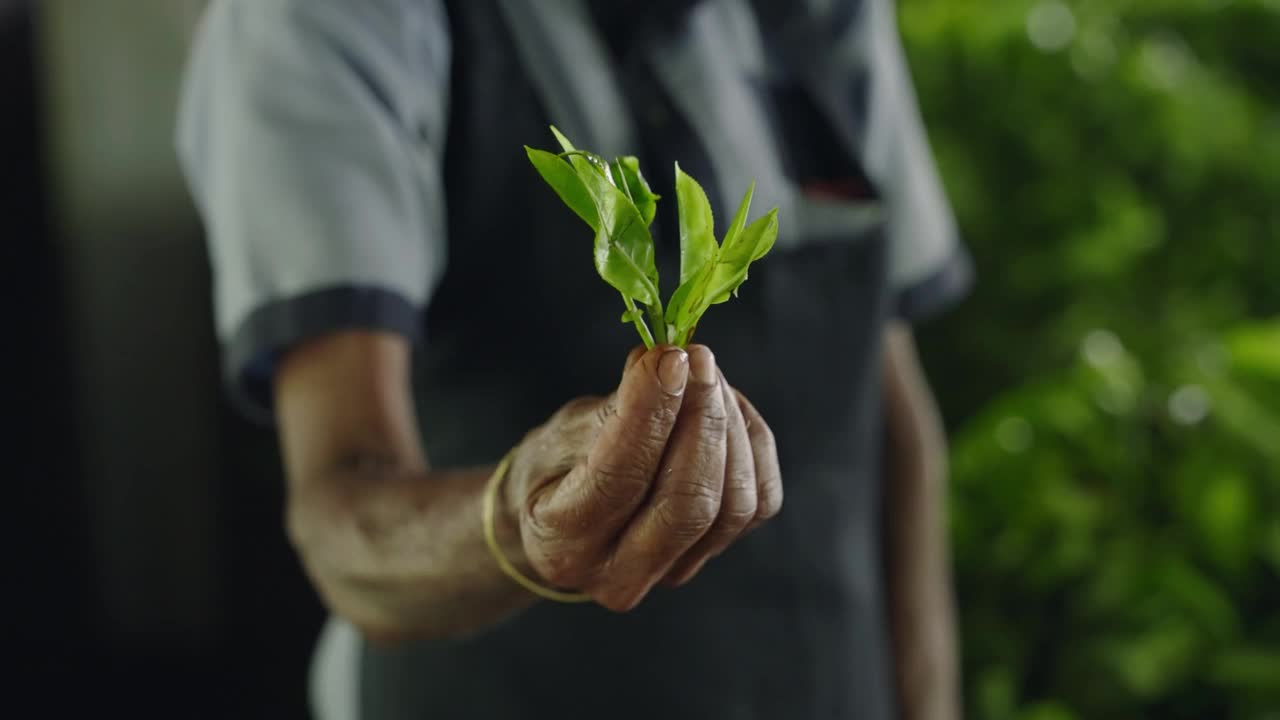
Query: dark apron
(790,623)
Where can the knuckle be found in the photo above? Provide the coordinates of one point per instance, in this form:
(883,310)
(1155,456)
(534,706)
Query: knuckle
(606,409)
(741,499)
(617,482)
(559,575)
(762,436)
(740,502)
(648,431)
(770,500)
(741,477)
(578,406)
(689,514)
(545,521)
(657,423)
(541,523)
(739,514)
(562,568)
(713,418)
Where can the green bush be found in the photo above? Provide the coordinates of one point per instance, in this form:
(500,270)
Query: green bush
(1114,382)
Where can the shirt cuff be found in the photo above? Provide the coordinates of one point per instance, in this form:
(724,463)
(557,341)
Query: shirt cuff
(251,355)
(937,291)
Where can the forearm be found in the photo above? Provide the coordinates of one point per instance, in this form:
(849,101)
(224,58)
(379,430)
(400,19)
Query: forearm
(392,545)
(921,598)
(401,551)
(922,613)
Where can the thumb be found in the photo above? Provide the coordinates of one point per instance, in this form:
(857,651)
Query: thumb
(620,466)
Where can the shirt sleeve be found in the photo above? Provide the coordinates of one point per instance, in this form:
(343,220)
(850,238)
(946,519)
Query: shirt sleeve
(928,265)
(849,53)
(311,134)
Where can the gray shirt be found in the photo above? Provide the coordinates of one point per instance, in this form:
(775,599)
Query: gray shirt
(346,157)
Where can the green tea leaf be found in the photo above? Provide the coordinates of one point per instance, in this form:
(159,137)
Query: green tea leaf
(563,178)
(627,175)
(733,262)
(723,275)
(604,208)
(697,232)
(768,236)
(739,218)
(621,270)
(624,254)
(682,309)
(626,231)
(582,161)
(564,141)
(615,200)
(726,270)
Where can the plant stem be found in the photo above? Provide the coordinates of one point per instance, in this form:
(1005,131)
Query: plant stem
(641,327)
(655,316)
(682,337)
(654,310)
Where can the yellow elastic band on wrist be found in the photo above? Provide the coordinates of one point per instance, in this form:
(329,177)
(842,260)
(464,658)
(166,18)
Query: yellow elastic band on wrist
(491,537)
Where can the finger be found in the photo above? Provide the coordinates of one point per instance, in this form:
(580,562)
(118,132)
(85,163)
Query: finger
(636,353)
(737,503)
(764,450)
(686,494)
(599,495)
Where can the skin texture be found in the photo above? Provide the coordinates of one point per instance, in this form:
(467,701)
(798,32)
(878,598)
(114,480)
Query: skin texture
(921,606)
(609,497)
(395,546)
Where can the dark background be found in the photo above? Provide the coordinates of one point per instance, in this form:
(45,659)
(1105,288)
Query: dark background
(1112,387)
(153,574)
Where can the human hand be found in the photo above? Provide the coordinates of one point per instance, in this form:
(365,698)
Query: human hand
(613,495)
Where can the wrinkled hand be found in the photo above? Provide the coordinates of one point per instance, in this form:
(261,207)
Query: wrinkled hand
(614,495)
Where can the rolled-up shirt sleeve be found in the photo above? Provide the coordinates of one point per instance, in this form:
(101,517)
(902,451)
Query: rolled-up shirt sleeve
(311,134)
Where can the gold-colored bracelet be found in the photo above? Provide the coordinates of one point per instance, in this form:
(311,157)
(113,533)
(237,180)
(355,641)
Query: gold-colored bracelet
(491,537)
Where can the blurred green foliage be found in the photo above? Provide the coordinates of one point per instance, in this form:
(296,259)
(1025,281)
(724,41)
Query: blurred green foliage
(1114,381)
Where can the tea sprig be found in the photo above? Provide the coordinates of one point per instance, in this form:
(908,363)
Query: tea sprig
(616,202)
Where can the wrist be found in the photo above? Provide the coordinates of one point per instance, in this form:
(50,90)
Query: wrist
(510,504)
(510,561)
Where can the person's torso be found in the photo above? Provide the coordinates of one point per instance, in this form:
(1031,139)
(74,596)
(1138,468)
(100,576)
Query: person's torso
(790,622)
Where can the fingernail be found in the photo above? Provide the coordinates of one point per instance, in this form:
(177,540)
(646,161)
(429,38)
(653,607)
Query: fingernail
(673,371)
(704,366)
